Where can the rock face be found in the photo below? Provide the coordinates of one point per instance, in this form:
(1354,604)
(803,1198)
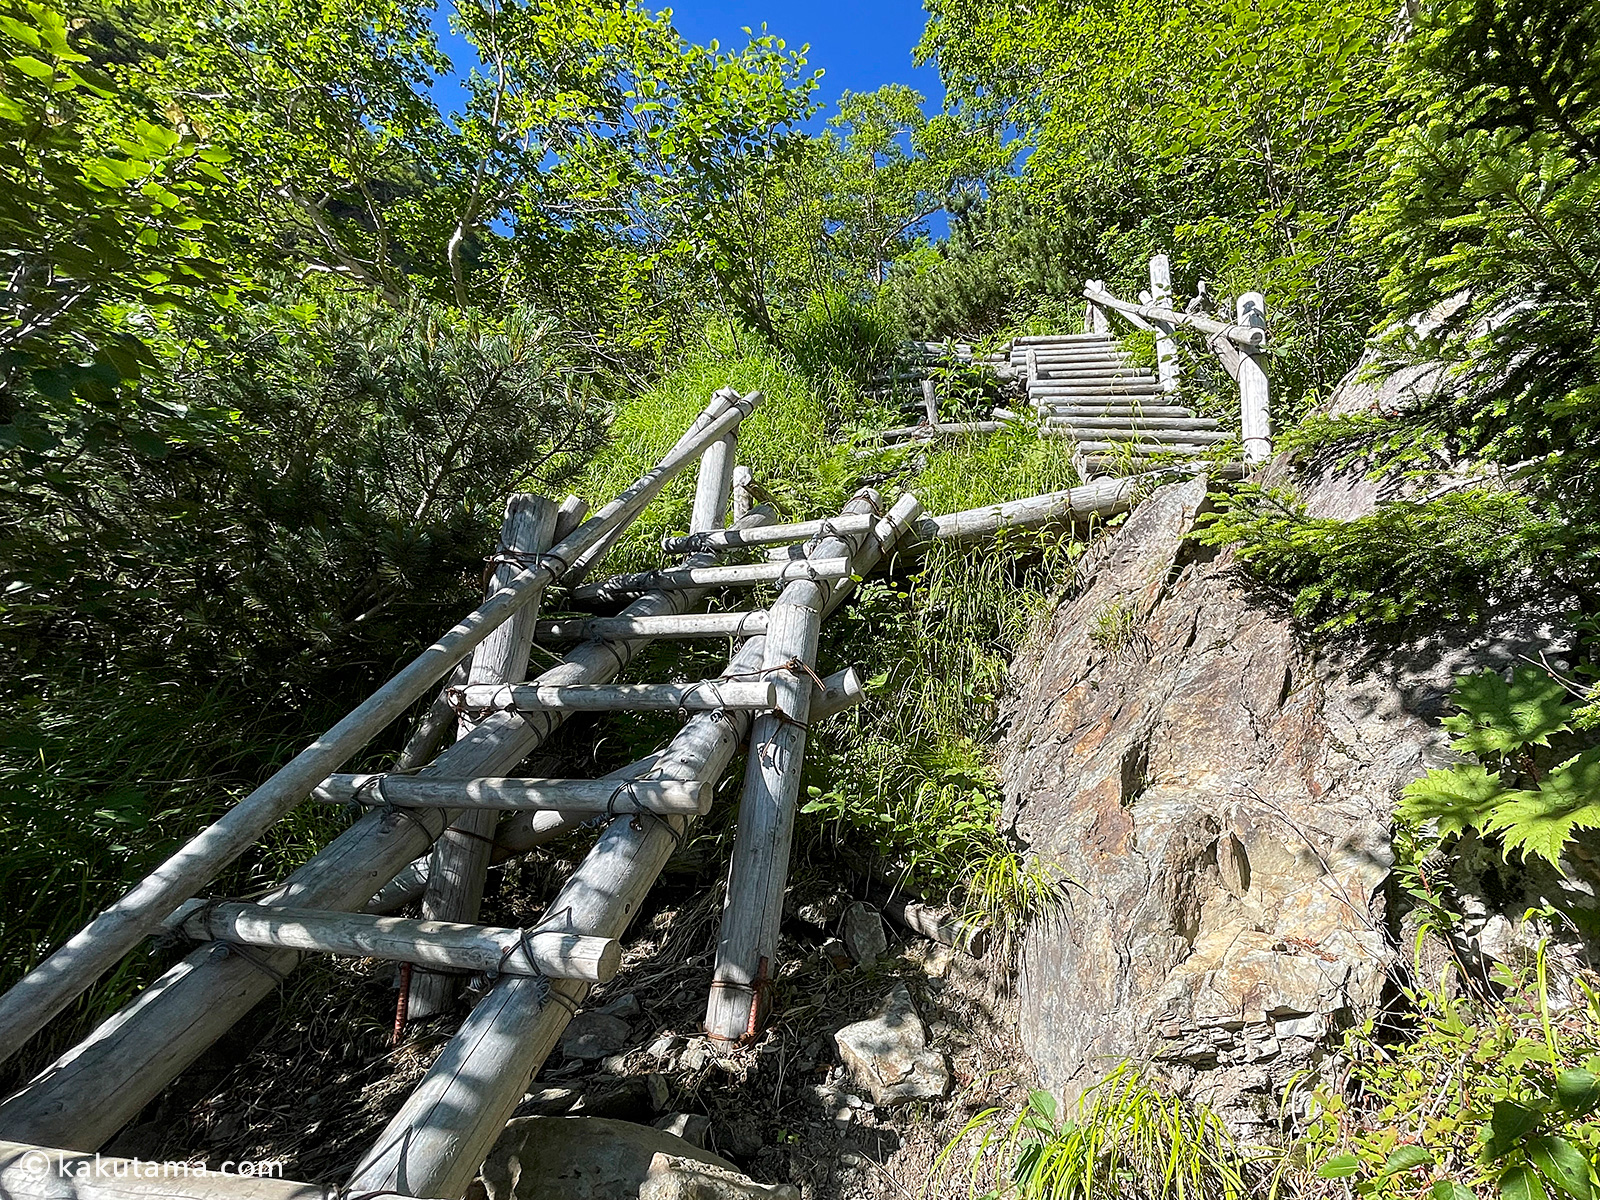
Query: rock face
(1219,802)
(582,1158)
(888,1053)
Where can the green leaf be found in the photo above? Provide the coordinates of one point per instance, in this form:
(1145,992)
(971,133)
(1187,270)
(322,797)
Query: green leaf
(1459,797)
(1578,1091)
(1507,1127)
(1498,717)
(1562,1163)
(1449,1189)
(29,65)
(1541,822)
(1405,1158)
(1521,1183)
(1340,1166)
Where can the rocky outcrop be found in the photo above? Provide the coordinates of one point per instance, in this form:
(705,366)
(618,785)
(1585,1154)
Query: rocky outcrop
(1217,801)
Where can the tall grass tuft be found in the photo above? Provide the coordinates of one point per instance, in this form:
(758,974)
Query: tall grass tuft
(1128,1139)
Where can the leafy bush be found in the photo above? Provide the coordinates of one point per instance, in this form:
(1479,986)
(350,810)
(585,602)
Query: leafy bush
(1513,790)
(1450,558)
(1484,1096)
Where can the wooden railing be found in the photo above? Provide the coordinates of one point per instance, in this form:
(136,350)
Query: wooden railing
(1238,345)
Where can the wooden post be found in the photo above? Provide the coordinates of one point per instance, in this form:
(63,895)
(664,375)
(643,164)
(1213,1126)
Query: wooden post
(714,487)
(1166,347)
(1255,423)
(461,855)
(54,983)
(1033,369)
(569,516)
(754,901)
(687,625)
(102,1083)
(743,502)
(435,1143)
(930,402)
(1095,320)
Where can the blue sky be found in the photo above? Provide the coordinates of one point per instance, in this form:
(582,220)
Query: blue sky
(858,45)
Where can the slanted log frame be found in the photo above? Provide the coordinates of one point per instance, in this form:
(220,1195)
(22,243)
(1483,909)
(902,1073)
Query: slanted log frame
(88,1094)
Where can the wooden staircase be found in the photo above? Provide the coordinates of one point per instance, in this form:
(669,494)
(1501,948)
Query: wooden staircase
(1085,387)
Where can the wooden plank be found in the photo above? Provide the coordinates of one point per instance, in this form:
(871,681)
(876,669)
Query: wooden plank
(99,1085)
(494,794)
(569,516)
(682,625)
(29,1172)
(1134,421)
(767,535)
(435,1143)
(930,402)
(1255,418)
(55,982)
(447,944)
(703,695)
(461,855)
(1106,446)
(734,575)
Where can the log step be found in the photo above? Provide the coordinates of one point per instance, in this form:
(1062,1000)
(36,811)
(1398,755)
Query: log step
(620,586)
(520,794)
(1114,447)
(1115,410)
(1133,421)
(703,695)
(685,625)
(1126,434)
(402,939)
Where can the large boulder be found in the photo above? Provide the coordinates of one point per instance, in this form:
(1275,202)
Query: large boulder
(1217,800)
(581,1158)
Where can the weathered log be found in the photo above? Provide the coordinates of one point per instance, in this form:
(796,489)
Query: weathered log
(747,940)
(53,984)
(734,575)
(1150,448)
(461,855)
(1052,339)
(743,502)
(103,1082)
(1135,421)
(569,516)
(1102,498)
(1139,433)
(767,535)
(1135,411)
(1243,335)
(911,433)
(702,695)
(495,794)
(1166,348)
(684,625)
(447,944)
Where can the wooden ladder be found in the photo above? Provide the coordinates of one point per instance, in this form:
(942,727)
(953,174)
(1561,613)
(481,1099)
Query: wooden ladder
(451,807)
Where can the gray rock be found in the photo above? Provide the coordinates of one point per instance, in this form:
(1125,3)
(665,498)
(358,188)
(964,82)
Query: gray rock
(837,954)
(888,1053)
(581,1158)
(740,1138)
(625,1006)
(1219,794)
(695,1055)
(691,1127)
(863,933)
(550,1102)
(673,1178)
(595,1035)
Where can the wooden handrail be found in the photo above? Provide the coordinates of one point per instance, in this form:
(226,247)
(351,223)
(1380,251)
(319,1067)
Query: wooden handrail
(1243,335)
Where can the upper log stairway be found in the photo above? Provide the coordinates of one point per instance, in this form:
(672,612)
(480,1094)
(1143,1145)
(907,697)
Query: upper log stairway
(452,803)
